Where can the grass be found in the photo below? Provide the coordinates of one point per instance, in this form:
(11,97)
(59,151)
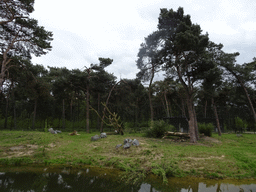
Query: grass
(230,157)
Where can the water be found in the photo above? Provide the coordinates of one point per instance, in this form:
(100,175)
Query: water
(33,179)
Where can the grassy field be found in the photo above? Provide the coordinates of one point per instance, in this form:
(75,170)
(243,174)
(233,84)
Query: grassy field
(227,156)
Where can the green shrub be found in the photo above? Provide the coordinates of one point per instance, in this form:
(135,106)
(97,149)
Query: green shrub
(206,129)
(240,124)
(157,129)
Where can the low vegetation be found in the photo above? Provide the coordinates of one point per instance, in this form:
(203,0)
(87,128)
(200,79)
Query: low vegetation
(206,128)
(228,156)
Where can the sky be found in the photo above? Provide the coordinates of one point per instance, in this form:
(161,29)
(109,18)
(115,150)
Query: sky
(85,30)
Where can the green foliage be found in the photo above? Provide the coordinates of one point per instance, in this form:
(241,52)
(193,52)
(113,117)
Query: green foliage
(157,129)
(165,169)
(206,129)
(240,124)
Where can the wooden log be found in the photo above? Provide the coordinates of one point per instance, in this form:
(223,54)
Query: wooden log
(178,134)
(111,133)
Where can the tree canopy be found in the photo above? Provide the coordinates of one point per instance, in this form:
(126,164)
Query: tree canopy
(20,35)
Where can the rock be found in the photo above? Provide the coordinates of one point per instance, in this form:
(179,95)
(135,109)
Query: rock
(95,138)
(103,135)
(239,135)
(127,145)
(127,141)
(135,142)
(52,131)
(118,146)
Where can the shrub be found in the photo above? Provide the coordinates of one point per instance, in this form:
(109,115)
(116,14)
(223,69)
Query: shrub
(240,125)
(157,129)
(206,129)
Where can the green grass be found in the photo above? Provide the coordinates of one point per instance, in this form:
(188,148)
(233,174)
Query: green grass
(231,157)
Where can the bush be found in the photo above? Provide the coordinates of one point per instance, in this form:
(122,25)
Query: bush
(206,129)
(240,125)
(157,129)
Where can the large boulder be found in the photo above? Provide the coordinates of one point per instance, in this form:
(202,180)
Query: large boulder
(103,135)
(135,142)
(95,138)
(127,145)
(119,145)
(127,141)
(52,131)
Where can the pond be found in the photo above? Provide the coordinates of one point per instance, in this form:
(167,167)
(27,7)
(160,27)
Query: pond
(94,180)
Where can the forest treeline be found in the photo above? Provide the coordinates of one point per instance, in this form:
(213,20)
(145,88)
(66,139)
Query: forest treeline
(200,81)
(34,97)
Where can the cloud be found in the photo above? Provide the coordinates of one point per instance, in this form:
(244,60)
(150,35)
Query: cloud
(86,30)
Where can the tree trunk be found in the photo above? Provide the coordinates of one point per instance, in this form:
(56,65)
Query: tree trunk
(196,125)
(191,122)
(87,110)
(6,112)
(71,110)
(250,102)
(246,93)
(150,98)
(150,104)
(34,115)
(167,105)
(14,111)
(205,109)
(98,118)
(63,114)
(2,73)
(216,116)
(136,112)
(183,108)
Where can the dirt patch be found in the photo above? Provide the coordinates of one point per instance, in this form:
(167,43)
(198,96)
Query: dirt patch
(211,139)
(205,158)
(18,151)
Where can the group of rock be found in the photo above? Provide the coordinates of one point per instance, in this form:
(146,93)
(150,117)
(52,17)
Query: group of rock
(96,137)
(128,143)
(54,131)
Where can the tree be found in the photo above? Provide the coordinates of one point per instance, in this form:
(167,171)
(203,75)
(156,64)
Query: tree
(15,9)
(148,63)
(101,85)
(213,78)
(243,74)
(20,35)
(104,62)
(61,87)
(182,51)
(164,88)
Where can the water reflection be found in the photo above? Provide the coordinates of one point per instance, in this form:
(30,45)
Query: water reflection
(67,179)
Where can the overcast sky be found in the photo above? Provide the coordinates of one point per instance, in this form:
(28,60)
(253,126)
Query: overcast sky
(85,30)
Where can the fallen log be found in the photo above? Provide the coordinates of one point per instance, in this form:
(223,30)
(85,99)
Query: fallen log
(178,134)
(111,133)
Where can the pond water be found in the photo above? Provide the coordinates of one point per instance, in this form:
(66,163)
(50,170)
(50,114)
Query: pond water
(28,179)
